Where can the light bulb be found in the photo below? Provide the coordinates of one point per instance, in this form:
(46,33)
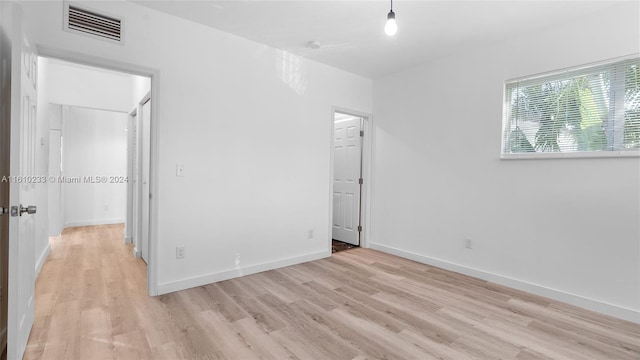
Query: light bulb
(391,28)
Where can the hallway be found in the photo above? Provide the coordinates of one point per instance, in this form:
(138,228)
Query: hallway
(88,295)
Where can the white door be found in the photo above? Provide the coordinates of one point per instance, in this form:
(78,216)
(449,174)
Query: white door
(22,193)
(347,162)
(144,170)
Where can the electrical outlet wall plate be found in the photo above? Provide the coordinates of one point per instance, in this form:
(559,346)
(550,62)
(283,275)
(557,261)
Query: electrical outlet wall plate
(179,252)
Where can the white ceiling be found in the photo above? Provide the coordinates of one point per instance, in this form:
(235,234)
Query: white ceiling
(351,33)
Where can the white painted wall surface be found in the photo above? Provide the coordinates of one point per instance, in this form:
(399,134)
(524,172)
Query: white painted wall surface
(95,145)
(78,85)
(54,188)
(250,123)
(565,228)
(141,86)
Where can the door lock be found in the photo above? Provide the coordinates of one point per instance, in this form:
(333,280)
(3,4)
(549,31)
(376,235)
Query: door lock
(3,210)
(18,211)
(31,209)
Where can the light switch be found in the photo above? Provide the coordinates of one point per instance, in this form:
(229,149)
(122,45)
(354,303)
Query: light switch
(180,170)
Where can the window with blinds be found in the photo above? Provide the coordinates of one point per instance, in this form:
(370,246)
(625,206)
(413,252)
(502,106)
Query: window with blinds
(585,110)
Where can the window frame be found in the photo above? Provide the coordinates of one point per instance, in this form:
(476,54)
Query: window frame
(570,71)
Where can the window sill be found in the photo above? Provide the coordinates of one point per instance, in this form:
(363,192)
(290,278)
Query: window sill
(573,155)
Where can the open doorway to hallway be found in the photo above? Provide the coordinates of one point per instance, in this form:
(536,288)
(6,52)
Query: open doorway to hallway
(86,135)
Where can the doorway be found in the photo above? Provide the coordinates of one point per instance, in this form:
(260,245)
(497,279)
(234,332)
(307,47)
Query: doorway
(348,180)
(97,100)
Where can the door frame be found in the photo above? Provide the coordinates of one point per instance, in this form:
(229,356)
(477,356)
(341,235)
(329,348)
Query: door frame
(129,225)
(155,75)
(365,197)
(142,167)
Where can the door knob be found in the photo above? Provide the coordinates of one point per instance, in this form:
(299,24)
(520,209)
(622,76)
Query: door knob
(31,209)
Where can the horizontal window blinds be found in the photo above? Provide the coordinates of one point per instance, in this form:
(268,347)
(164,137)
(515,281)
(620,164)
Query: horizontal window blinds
(589,109)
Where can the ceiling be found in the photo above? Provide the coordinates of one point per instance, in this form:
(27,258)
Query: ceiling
(351,33)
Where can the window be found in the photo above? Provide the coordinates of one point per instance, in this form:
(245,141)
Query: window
(589,110)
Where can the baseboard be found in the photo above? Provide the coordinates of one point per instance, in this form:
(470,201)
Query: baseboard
(128,240)
(164,288)
(94,222)
(559,295)
(137,253)
(42,258)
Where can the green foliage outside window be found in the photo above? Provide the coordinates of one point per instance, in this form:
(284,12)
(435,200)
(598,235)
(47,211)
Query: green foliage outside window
(576,113)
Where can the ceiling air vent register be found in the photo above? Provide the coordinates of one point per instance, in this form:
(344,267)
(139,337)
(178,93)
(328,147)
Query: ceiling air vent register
(92,23)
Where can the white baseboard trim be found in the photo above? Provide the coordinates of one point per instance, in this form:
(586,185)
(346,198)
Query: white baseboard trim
(171,286)
(137,253)
(559,295)
(127,240)
(93,222)
(42,258)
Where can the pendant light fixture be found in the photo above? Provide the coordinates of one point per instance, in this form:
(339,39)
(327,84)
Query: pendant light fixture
(391,28)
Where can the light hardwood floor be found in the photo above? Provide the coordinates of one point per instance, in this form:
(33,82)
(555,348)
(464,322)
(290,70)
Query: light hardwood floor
(358,304)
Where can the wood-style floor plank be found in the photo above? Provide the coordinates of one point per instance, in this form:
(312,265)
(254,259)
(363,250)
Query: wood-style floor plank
(91,303)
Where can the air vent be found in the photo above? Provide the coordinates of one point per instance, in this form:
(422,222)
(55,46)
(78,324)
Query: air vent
(93,23)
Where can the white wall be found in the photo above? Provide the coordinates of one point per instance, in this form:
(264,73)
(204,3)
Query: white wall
(95,145)
(251,125)
(87,86)
(566,228)
(54,188)
(141,86)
